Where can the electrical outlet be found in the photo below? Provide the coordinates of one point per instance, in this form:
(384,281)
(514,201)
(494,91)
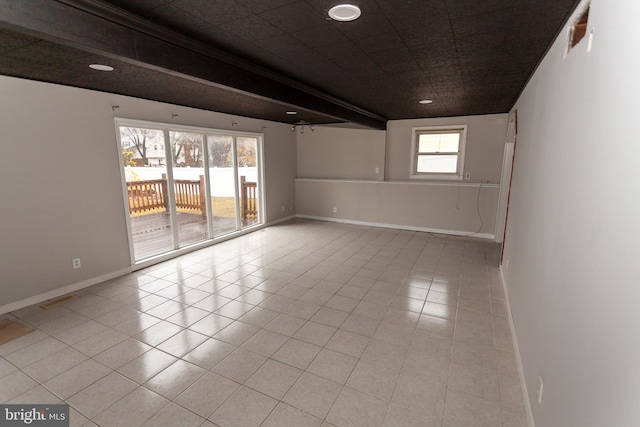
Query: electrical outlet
(335,210)
(76,263)
(377,170)
(467,175)
(540,389)
(282,208)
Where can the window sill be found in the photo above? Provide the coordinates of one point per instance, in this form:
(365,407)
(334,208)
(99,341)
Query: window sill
(436,177)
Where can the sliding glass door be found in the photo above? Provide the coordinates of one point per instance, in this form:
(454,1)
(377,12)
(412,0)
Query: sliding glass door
(187,158)
(224,202)
(145,173)
(187,185)
(247,170)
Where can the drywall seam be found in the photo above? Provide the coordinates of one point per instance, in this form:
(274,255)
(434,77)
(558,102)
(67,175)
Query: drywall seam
(36,299)
(400,227)
(523,384)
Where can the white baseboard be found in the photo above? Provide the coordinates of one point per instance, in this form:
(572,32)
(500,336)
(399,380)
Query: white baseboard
(523,384)
(402,227)
(36,299)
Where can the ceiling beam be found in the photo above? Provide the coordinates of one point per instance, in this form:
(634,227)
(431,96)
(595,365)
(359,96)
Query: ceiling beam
(98,27)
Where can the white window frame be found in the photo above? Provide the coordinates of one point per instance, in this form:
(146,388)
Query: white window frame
(459,174)
(211,238)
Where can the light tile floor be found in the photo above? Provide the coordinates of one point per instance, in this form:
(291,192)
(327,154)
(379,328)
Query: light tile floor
(302,324)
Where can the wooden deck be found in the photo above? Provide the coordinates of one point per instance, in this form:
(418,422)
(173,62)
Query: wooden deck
(152,232)
(151,223)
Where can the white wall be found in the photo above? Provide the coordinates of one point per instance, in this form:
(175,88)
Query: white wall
(485,143)
(451,208)
(61,193)
(573,276)
(337,168)
(340,153)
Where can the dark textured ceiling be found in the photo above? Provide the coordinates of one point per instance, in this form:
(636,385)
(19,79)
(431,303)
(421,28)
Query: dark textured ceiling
(259,58)
(36,59)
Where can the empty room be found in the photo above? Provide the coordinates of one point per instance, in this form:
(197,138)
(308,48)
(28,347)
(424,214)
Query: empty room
(319,213)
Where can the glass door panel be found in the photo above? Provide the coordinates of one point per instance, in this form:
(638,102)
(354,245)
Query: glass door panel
(145,169)
(186,185)
(189,187)
(222,184)
(247,154)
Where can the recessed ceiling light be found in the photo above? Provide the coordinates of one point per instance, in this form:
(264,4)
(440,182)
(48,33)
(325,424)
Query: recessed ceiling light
(292,113)
(101,67)
(344,12)
(425,101)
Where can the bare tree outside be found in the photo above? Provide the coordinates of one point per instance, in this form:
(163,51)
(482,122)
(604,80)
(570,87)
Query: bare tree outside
(220,152)
(187,149)
(137,140)
(246,148)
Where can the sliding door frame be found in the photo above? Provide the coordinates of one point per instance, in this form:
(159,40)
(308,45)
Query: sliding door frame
(166,128)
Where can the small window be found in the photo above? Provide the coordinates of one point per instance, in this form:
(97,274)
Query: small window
(438,153)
